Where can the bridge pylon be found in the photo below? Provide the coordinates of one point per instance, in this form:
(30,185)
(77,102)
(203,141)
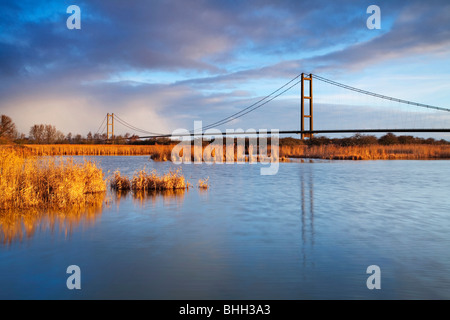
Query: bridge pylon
(109,126)
(309,115)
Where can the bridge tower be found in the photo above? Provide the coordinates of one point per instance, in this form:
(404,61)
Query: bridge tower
(110,126)
(309,115)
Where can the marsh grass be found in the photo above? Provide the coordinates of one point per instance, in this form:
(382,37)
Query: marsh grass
(331,151)
(161,153)
(203,183)
(120,183)
(149,181)
(157,152)
(371,152)
(30,181)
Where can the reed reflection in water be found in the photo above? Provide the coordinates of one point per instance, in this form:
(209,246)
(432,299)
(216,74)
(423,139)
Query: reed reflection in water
(15,226)
(141,197)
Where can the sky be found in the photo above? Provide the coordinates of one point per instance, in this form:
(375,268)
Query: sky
(161,65)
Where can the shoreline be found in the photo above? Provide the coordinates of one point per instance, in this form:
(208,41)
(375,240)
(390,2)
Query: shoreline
(324,152)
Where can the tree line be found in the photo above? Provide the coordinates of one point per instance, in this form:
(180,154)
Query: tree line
(363,140)
(48,134)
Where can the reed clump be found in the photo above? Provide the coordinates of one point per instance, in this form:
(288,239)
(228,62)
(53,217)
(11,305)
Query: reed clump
(161,153)
(29,181)
(120,183)
(149,181)
(203,183)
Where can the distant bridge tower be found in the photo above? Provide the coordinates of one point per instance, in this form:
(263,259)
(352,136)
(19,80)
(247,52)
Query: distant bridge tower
(110,126)
(302,109)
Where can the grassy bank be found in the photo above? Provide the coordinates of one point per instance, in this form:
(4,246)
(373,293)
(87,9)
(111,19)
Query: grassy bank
(97,150)
(371,152)
(29,181)
(324,151)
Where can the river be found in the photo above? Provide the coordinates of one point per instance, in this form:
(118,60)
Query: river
(308,232)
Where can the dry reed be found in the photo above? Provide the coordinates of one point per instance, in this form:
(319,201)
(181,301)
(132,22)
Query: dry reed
(156,151)
(144,181)
(329,151)
(203,183)
(27,182)
(372,152)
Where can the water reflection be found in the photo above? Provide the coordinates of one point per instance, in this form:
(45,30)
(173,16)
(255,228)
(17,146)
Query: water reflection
(15,226)
(307,214)
(141,198)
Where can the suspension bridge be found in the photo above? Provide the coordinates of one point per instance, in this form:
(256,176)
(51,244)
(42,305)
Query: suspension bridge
(307,127)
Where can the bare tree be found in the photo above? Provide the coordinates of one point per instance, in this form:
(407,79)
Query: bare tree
(7,128)
(37,133)
(97,138)
(40,133)
(59,137)
(78,139)
(50,134)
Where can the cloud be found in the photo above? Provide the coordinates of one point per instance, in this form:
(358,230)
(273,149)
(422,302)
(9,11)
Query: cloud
(219,56)
(419,29)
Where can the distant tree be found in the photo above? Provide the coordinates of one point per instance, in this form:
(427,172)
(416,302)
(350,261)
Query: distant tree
(364,140)
(21,139)
(50,134)
(97,138)
(318,141)
(69,137)
(388,139)
(407,140)
(347,142)
(289,141)
(40,133)
(37,133)
(89,137)
(7,128)
(78,139)
(133,138)
(59,138)
(163,141)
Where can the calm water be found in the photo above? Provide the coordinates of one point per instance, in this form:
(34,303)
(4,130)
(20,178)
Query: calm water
(309,232)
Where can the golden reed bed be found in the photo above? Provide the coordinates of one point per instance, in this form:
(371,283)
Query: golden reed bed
(145,181)
(163,152)
(30,181)
(152,181)
(96,149)
(330,151)
(372,152)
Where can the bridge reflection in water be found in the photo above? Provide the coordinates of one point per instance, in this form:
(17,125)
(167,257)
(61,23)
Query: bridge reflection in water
(307,215)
